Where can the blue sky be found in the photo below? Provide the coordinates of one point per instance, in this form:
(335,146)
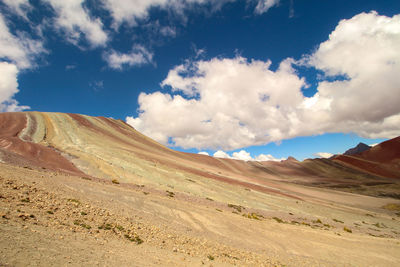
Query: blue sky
(268,77)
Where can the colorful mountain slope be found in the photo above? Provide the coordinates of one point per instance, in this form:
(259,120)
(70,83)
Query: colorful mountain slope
(382,160)
(110,149)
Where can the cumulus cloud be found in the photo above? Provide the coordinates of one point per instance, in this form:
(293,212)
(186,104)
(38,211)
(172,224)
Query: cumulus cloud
(19,49)
(232,103)
(16,52)
(139,55)
(324,155)
(244,155)
(203,153)
(228,104)
(9,87)
(268,157)
(221,154)
(75,21)
(363,49)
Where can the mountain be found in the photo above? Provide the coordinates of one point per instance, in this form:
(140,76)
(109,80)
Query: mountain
(382,160)
(361,147)
(77,182)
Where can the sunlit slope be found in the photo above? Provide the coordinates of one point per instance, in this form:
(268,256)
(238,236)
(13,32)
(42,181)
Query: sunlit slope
(110,149)
(382,159)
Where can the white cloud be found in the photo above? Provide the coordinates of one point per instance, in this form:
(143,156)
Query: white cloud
(129,12)
(365,49)
(139,55)
(168,31)
(20,7)
(268,157)
(324,155)
(234,103)
(16,52)
(244,155)
(9,87)
(237,103)
(221,154)
(264,5)
(74,20)
(203,153)
(19,49)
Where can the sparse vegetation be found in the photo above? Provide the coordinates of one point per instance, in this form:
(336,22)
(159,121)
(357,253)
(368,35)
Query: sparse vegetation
(146,193)
(211,258)
(26,200)
(392,207)
(317,221)
(347,229)
(115,181)
(106,226)
(170,194)
(278,220)
(50,212)
(83,213)
(253,215)
(230,256)
(134,238)
(238,208)
(119,227)
(84,225)
(218,210)
(210,199)
(338,221)
(74,201)
(379,225)
(375,235)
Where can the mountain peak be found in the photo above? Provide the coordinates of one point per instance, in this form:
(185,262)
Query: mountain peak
(361,147)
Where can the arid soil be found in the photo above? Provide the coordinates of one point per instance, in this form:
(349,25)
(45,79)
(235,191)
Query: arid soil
(80,190)
(51,218)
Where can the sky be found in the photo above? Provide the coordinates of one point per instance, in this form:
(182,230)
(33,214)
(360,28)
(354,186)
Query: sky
(245,79)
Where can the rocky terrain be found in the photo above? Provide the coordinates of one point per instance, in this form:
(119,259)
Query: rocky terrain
(79,190)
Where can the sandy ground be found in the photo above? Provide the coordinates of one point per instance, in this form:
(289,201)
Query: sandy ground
(50,218)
